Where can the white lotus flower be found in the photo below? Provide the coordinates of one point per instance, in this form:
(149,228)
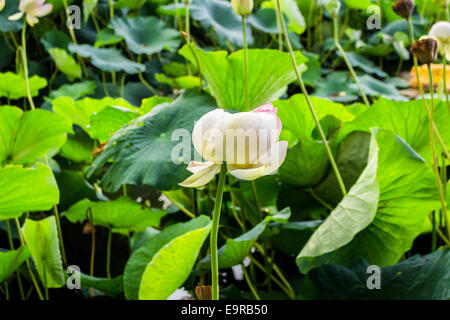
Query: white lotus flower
(32,9)
(2,4)
(440,31)
(247,142)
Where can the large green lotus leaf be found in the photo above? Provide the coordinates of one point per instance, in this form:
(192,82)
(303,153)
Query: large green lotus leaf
(358,4)
(78,147)
(110,287)
(265,20)
(12,86)
(351,160)
(219,16)
(26,189)
(41,238)
(294,235)
(75,91)
(306,163)
(6,25)
(290,9)
(354,213)
(121,214)
(183,82)
(138,38)
(139,260)
(110,59)
(106,37)
(88,8)
(298,122)
(270,71)
(29,136)
(10,261)
(407,196)
(131,4)
(236,250)
(109,120)
(141,153)
(365,64)
(65,63)
(338,87)
(375,87)
(73,188)
(417,278)
(55,39)
(407,119)
(80,112)
(171,266)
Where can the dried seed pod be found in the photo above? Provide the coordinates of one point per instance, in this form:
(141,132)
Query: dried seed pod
(425,50)
(404,8)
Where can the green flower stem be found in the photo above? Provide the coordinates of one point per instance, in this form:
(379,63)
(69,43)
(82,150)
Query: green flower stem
(244,32)
(47,297)
(433,153)
(250,284)
(143,81)
(33,278)
(180,206)
(214,233)
(11,245)
(6,291)
(280,31)
(25,65)
(344,56)
(108,255)
(444,75)
(74,39)
(289,293)
(422,92)
(311,107)
(111,8)
(187,22)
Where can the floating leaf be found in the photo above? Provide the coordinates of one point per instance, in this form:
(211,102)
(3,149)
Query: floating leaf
(42,240)
(140,41)
(75,91)
(107,37)
(110,59)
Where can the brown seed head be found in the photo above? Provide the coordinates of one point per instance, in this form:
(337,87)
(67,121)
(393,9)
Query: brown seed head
(425,50)
(404,8)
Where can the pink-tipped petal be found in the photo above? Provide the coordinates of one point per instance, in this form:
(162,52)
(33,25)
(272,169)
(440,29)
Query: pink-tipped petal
(43,10)
(32,20)
(269,108)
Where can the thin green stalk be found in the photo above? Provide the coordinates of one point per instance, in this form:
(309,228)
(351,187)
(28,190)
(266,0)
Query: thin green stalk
(6,290)
(33,278)
(433,231)
(186,22)
(145,82)
(214,233)
(45,282)
(11,245)
(433,153)
(247,107)
(250,284)
(347,62)
(289,293)
(108,255)
(444,76)
(25,65)
(280,32)
(422,92)
(60,236)
(111,9)
(180,206)
(311,107)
